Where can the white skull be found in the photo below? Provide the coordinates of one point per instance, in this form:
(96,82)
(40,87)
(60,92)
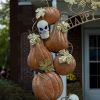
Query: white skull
(43,29)
(73,97)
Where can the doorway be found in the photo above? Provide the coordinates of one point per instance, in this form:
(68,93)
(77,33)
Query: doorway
(91,63)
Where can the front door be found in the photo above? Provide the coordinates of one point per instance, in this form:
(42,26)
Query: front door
(91,64)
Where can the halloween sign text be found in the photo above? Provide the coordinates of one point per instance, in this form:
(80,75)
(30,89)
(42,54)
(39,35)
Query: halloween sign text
(82,18)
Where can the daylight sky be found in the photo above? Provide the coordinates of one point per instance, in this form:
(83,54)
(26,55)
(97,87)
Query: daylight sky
(2,1)
(1,26)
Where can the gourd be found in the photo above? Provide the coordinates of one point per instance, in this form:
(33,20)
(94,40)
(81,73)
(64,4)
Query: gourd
(47,86)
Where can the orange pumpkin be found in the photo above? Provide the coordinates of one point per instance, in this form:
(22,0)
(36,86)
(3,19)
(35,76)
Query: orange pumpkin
(38,53)
(47,86)
(64,68)
(52,15)
(57,41)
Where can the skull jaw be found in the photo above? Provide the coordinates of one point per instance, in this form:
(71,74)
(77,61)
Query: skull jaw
(44,35)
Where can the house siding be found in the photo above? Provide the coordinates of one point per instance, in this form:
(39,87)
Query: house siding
(20,22)
(74,36)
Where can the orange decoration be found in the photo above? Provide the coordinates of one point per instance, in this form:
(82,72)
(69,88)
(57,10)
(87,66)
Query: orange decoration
(47,86)
(64,68)
(38,53)
(52,15)
(57,41)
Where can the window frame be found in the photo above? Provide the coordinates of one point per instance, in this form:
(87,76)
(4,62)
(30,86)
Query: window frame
(21,3)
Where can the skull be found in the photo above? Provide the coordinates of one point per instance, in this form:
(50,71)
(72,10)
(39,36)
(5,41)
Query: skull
(43,29)
(73,97)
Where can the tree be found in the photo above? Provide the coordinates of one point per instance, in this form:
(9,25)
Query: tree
(4,33)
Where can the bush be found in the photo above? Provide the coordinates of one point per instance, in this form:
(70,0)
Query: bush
(11,91)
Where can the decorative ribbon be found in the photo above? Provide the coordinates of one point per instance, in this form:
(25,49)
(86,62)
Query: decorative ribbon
(63,26)
(33,38)
(46,65)
(81,3)
(95,5)
(71,1)
(65,57)
(40,12)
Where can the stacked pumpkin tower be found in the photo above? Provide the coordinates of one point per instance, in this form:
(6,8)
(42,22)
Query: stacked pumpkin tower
(47,84)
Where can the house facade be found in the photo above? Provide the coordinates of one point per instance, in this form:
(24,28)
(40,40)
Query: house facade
(85,39)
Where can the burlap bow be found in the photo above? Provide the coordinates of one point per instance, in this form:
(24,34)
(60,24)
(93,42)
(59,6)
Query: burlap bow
(46,65)
(40,12)
(33,38)
(63,26)
(65,57)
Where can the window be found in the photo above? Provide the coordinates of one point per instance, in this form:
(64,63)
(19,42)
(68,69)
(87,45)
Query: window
(94,61)
(24,2)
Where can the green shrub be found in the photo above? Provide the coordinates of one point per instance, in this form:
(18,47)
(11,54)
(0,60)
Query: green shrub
(11,91)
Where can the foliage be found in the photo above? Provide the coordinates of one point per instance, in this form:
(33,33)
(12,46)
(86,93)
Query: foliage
(4,32)
(71,77)
(75,88)
(11,91)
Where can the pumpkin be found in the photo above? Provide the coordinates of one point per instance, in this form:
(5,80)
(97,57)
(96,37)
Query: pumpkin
(52,15)
(47,86)
(57,40)
(64,68)
(38,53)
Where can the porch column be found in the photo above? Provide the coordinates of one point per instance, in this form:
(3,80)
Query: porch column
(64,93)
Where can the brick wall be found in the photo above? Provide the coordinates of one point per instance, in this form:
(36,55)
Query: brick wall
(20,22)
(74,36)
(14,41)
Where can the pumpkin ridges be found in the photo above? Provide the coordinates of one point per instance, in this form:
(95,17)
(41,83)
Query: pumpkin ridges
(50,92)
(44,52)
(38,53)
(37,93)
(44,86)
(29,60)
(33,54)
(48,74)
(34,86)
(52,15)
(60,85)
(55,86)
(58,40)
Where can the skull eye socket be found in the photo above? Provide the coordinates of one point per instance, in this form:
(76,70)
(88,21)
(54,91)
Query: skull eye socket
(45,27)
(41,29)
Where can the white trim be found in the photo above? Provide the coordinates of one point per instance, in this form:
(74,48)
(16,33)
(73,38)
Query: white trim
(90,29)
(24,3)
